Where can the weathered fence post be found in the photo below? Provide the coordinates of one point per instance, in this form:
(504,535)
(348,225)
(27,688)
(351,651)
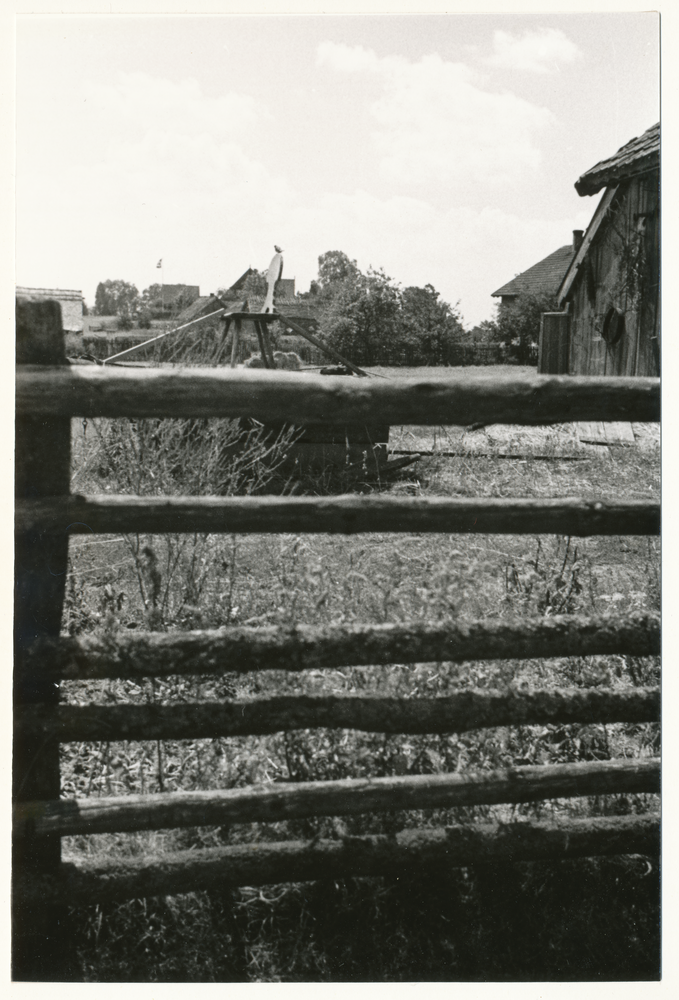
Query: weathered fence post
(553,345)
(43,443)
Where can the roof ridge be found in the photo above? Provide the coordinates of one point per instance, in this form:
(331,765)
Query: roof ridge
(544,276)
(636,156)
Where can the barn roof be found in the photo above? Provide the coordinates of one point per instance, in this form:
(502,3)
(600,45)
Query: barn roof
(61,294)
(636,157)
(542,278)
(203,305)
(240,282)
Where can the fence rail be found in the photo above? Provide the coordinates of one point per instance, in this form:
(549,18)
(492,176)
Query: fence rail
(294,861)
(273,803)
(316,399)
(82,515)
(469,709)
(305,647)
(49,392)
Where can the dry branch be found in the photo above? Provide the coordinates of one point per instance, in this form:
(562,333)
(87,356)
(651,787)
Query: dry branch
(276,802)
(307,647)
(543,399)
(338,515)
(472,709)
(295,861)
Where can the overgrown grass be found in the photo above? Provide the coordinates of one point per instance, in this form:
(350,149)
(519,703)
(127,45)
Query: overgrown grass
(590,919)
(594,919)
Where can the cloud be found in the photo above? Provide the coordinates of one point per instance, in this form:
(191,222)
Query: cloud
(150,168)
(144,168)
(437,124)
(348,59)
(142,103)
(541,51)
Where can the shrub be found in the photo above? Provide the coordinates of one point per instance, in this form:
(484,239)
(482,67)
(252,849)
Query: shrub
(517,326)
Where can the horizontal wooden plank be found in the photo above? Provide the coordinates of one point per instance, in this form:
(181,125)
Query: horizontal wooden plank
(265,863)
(470,709)
(348,514)
(619,432)
(308,647)
(273,803)
(592,432)
(303,398)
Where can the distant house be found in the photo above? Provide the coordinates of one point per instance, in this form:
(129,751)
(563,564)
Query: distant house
(70,300)
(203,306)
(543,278)
(610,292)
(176,297)
(285,301)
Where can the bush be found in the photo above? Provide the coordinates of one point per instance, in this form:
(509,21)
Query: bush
(517,326)
(125,321)
(372,320)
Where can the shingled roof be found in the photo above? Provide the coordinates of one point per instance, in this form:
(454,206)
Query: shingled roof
(635,157)
(203,306)
(542,278)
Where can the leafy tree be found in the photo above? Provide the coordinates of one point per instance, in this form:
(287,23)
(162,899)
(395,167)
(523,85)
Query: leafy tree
(485,332)
(517,326)
(430,326)
(114,298)
(125,321)
(152,296)
(335,268)
(362,314)
(369,318)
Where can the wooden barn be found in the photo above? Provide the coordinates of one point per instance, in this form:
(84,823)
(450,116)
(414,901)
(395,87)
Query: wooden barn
(70,300)
(610,295)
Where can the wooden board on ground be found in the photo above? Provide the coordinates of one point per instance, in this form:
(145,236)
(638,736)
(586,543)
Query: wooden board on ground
(619,433)
(592,432)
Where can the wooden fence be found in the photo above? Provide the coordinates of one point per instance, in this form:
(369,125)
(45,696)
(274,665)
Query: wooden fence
(49,393)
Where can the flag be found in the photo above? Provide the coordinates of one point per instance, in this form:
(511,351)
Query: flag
(160,263)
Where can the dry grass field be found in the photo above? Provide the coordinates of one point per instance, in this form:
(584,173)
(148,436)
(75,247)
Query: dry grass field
(595,919)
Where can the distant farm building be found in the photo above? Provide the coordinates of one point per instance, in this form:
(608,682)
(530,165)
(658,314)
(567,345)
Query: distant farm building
(171,299)
(70,300)
(235,299)
(286,301)
(543,278)
(203,306)
(610,323)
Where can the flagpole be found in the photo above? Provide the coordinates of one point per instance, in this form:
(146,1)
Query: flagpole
(161,265)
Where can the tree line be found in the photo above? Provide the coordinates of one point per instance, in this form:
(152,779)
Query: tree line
(132,308)
(370,318)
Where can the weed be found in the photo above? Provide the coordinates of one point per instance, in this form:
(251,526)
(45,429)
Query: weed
(590,919)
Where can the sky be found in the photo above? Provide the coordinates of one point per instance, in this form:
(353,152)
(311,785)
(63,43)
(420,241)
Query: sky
(441,148)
